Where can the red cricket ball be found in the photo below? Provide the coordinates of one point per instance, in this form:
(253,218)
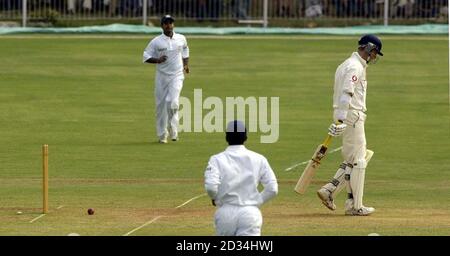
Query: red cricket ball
(90,211)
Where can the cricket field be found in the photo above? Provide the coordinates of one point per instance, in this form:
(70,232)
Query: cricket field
(91,100)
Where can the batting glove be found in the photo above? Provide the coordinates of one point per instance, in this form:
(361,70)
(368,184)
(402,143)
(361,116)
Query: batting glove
(336,129)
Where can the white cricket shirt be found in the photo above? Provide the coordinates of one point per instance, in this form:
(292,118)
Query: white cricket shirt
(350,78)
(175,48)
(232,177)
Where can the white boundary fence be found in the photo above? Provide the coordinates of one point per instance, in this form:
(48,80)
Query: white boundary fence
(242,11)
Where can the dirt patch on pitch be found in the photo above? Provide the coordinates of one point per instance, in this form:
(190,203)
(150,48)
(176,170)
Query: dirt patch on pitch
(388,221)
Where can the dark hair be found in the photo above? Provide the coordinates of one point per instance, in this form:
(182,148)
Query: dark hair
(236,133)
(236,138)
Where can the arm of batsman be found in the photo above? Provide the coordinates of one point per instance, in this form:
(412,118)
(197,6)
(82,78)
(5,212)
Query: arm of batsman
(336,129)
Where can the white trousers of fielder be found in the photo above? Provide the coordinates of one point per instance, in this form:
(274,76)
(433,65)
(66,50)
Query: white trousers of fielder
(234,220)
(167,94)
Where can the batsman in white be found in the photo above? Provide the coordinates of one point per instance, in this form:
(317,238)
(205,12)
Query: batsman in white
(231,181)
(170,52)
(349,104)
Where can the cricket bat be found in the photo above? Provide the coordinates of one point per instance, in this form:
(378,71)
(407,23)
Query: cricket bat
(312,166)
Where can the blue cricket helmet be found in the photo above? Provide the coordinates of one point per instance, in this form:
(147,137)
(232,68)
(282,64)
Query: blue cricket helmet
(373,41)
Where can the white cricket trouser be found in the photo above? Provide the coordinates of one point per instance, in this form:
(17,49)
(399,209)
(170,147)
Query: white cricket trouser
(354,152)
(233,220)
(354,137)
(167,94)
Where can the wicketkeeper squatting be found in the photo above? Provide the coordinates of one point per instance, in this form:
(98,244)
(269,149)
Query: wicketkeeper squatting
(349,104)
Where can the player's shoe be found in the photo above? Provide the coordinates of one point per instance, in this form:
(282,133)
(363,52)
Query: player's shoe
(363,211)
(163,139)
(173,135)
(325,195)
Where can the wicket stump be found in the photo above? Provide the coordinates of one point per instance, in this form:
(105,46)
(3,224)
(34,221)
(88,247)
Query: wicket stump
(45,177)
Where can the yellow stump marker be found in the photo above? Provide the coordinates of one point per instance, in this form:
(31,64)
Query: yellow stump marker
(45,177)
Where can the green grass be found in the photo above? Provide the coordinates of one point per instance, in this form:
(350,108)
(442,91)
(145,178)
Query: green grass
(91,99)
